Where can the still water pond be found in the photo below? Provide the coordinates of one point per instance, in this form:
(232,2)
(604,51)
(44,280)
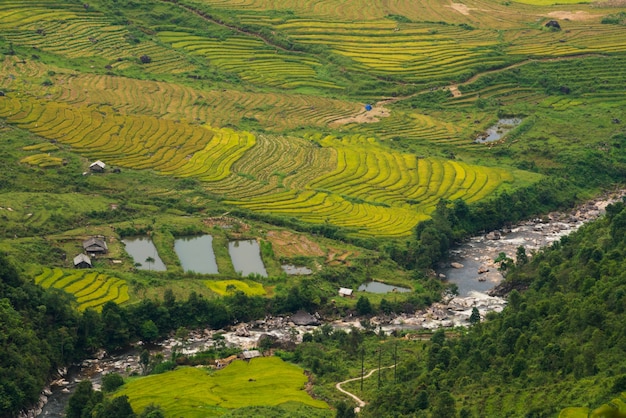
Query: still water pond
(378,287)
(246,257)
(143,252)
(196,254)
(497,131)
(292,270)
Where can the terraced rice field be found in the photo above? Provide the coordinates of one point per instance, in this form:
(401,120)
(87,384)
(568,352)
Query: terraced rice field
(359,10)
(375,191)
(69,30)
(193,392)
(416,53)
(346,176)
(352,182)
(252,60)
(274,111)
(42,160)
(91,289)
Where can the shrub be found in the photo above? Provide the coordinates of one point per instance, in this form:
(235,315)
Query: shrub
(111,381)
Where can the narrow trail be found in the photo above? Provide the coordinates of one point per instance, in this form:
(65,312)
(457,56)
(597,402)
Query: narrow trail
(454,88)
(352,395)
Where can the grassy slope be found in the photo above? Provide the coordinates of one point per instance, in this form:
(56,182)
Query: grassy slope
(192,392)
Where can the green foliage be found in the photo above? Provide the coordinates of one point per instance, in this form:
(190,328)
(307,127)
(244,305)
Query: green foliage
(475,316)
(558,343)
(363,306)
(111,381)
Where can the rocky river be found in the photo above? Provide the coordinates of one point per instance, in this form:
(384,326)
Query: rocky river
(471,268)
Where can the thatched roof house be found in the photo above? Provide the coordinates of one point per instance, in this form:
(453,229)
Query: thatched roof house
(95,245)
(250,354)
(82,261)
(98,166)
(345,292)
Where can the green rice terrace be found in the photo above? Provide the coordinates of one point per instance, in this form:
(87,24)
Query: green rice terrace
(346,137)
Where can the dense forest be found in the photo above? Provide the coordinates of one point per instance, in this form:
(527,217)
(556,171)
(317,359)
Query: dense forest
(560,342)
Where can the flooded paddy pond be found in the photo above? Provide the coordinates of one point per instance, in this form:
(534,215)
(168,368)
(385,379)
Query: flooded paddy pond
(196,254)
(379,287)
(144,253)
(246,257)
(499,130)
(292,270)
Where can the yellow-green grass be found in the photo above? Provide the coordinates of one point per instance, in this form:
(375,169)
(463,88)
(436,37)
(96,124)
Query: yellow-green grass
(90,289)
(35,209)
(43,147)
(191,392)
(227,287)
(42,160)
(615,408)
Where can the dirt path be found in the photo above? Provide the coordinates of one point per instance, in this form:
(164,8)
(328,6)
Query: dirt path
(454,88)
(353,396)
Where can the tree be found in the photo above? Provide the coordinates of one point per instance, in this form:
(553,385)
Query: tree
(111,381)
(149,331)
(117,408)
(475,316)
(385,306)
(150,261)
(344,410)
(445,406)
(521,256)
(363,306)
(79,400)
(505,262)
(152,411)
(144,361)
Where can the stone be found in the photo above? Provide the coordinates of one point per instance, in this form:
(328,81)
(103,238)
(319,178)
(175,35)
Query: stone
(553,24)
(456,265)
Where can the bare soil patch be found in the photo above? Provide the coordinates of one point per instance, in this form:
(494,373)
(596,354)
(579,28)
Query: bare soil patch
(367,116)
(461,8)
(577,15)
(288,244)
(454,89)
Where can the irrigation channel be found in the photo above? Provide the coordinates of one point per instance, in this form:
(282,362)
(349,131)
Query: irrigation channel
(471,268)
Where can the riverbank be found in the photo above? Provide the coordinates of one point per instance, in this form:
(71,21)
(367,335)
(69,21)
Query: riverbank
(477,254)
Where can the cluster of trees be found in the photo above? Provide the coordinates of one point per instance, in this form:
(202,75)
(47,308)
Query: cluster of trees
(453,221)
(87,402)
(561,342)
(37,336)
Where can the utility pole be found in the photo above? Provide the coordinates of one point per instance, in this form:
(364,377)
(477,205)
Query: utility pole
(395,361)
(380,352)
(362,366)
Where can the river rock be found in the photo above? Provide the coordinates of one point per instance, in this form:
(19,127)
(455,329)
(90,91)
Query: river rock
(483,269)
(493,235)
(456,265)
(242,331)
